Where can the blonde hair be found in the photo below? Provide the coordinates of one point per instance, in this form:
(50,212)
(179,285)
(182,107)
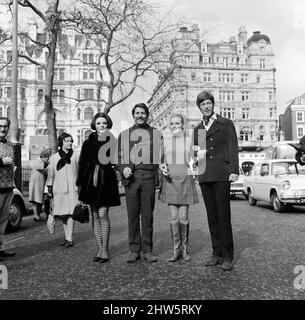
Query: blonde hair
(183,120)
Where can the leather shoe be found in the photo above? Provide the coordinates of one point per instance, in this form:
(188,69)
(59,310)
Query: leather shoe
(69,244)
(63,244)
(213,261)
(149,257)
(133,257)
(103,260)
(227,265)
(5,254)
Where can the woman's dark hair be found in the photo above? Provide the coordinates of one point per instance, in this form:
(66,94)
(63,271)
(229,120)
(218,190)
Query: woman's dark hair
(62,137)
(101,115)
(142,106)
(7,120)
(204,95)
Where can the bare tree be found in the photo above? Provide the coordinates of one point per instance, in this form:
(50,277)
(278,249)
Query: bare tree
(132,38)
(52,27)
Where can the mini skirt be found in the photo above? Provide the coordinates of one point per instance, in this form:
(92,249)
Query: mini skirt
(179,190)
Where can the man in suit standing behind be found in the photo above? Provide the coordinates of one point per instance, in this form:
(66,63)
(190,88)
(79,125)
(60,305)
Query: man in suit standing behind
(222,168)
(138,161)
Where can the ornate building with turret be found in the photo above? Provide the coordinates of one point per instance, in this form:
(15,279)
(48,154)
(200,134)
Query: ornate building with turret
(241,75)
(75,97)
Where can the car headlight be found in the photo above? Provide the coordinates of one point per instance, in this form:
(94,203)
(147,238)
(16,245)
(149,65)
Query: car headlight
(285,185)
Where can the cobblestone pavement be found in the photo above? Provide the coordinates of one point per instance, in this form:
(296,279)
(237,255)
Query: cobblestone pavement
(268,246)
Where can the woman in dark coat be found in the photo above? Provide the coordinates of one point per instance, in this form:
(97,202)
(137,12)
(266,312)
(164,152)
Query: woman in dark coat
(97,180)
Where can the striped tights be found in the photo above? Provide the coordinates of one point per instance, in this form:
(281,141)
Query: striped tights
(101,230)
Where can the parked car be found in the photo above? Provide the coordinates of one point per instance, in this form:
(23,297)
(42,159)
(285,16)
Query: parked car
(276,181)
(17,210)
(281,150)
(237,187)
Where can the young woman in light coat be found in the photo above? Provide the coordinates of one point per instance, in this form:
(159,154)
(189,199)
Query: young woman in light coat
(61,184)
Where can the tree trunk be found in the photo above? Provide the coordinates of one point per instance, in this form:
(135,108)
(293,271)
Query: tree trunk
(48,105)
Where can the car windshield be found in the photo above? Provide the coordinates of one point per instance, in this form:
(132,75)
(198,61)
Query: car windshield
(284,168)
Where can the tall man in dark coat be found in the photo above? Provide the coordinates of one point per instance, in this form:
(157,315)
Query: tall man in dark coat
(138,160)
(222,168)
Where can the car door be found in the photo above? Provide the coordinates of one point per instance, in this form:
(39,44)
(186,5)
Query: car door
(262,182)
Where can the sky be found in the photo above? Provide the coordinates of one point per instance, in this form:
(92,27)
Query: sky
(283,21)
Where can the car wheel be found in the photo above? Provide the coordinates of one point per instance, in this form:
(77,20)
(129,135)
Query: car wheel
(15,215)
(278,206)
(251,200)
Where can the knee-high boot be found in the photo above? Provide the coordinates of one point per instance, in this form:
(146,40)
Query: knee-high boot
(184,229)
(175,231)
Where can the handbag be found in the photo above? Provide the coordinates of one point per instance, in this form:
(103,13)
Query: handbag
(81,213)
(51,224)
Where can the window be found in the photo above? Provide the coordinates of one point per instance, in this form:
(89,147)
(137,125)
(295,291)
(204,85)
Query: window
(272,112)
(225,77)
(8,55)
(244,78)
(245,134)
(244,95)
(40,96)
(300,116)
(78,113)
(91,58)
(225,62)
(1,92)
(226,95)
(1,112)
(88,93)
(227,113)
(258,79)
(262,63)
(207,76)
(88,114)
(55,95)
(8,112)
(62,96)
(193,76)
(22,93)
(245,113)
(300,131)
(264,169)
(85,74)
(8,92)
(61,74)
(9,72)
(270,95)
(78,94)
(187,59)
(40,73)
(85,58)
(91,74)
(240,49)
(55,74)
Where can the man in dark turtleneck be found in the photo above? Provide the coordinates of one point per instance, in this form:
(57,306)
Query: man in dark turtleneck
(6,181)
(138,160)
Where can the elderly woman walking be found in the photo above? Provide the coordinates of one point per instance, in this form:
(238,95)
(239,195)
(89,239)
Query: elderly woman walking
(62,174)
(37,182)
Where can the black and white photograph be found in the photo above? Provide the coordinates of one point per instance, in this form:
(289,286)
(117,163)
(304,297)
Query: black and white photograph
(152,154)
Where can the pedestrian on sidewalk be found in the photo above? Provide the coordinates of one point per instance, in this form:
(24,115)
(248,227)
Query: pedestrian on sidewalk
(222,168)
(62,174)
(7,183)
(138,162)
(97,181)
(37,182)
(178,187)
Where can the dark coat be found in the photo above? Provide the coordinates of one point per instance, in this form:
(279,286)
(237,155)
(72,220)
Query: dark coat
(105,193)
(222,150)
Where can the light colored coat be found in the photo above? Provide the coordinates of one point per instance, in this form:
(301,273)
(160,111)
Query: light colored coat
(37,181)
(63,183)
